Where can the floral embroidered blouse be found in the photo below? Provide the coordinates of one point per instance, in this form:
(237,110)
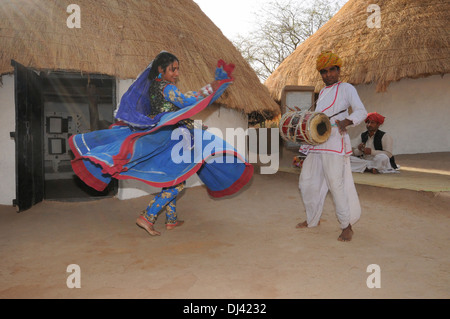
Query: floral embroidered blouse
(166,97)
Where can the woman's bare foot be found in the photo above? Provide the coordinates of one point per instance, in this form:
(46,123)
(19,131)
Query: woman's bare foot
(145,224)
(347,234)
(172,226)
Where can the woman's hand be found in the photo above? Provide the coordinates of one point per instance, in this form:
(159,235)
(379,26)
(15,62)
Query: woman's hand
(215,85)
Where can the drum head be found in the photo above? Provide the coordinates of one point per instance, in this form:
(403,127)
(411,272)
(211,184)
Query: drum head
(320,128)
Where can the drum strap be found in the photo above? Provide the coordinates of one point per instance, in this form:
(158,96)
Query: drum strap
(336,114)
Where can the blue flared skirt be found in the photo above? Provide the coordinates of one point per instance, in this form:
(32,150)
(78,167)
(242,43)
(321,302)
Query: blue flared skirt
(158,157)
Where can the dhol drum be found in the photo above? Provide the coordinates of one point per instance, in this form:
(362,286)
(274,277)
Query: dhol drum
(308,127)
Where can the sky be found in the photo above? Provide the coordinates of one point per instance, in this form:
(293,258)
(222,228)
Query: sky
(235,17)
(232,17)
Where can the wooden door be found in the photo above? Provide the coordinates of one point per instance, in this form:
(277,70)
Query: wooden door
(28,138)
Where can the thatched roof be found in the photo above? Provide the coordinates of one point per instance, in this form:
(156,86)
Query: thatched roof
(413,42)
(120,37)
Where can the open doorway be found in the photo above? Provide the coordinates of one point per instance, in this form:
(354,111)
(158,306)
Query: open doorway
(73,104)
(50,107)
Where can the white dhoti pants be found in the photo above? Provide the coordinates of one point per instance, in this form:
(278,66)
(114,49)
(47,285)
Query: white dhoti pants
(322,172)
(380,162)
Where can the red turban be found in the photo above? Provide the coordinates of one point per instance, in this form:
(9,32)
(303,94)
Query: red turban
(375,117)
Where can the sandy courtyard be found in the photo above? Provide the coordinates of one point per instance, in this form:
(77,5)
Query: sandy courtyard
(245,246)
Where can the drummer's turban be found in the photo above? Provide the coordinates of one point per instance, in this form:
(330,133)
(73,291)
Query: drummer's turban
(327,59)
(375,117)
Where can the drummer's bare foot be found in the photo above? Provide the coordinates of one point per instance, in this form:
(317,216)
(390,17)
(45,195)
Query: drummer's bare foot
(172,226)
(347,234)
(145,224)
(303,224)
(375,171)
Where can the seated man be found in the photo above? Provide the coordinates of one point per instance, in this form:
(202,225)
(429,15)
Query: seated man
(374,152)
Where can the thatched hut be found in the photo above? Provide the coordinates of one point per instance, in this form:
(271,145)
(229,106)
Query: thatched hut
(92,51)
(400,66)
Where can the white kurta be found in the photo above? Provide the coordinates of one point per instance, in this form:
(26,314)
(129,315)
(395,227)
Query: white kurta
(327,166)
(380,160)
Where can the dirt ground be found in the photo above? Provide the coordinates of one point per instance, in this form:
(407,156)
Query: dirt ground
(244,246)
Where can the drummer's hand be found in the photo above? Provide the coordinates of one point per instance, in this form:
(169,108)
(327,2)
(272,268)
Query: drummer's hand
(361,147)
(342,125)
(367,151)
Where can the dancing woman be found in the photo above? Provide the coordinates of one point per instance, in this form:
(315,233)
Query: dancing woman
(140,145)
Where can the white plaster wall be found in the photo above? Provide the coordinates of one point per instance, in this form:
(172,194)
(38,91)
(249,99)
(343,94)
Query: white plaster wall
(213,117)
(7,144)
(417,113)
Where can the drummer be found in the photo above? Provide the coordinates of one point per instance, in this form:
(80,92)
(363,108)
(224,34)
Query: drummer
(327,165)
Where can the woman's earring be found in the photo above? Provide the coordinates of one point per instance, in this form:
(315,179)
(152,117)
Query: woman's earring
(160,76)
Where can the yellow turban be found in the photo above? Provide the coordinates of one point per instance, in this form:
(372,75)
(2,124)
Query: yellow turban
(327,59)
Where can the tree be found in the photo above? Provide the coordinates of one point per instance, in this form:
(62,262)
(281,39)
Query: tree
(282,26)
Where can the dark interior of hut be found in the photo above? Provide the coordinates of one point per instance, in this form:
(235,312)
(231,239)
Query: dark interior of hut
(73,103)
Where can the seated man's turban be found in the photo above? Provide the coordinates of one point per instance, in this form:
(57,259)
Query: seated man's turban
(375,117)
(327,59)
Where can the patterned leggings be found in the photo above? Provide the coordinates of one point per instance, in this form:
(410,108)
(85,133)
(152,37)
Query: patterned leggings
(166,199)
